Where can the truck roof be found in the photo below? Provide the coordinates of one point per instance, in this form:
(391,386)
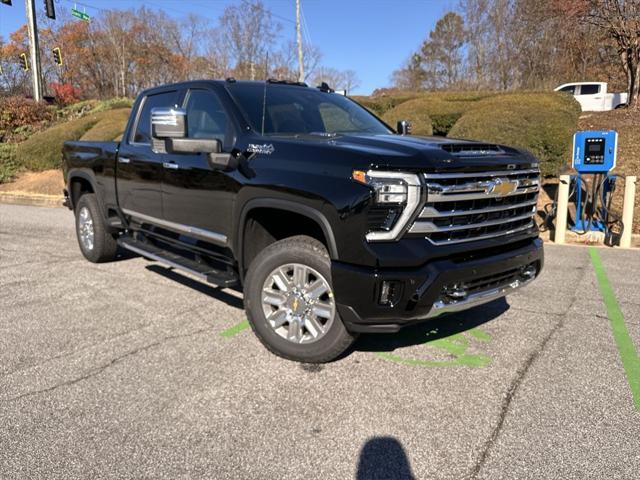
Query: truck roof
(190,83)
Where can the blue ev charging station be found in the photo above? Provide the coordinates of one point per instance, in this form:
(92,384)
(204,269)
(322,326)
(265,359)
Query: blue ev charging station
(594,156)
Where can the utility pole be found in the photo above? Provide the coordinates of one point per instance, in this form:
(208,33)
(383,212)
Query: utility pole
(34,50)
(299,40)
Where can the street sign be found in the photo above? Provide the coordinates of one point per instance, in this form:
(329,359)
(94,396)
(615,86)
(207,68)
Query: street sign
(81,15)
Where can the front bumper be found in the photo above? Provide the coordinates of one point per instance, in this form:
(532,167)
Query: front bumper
(425,292)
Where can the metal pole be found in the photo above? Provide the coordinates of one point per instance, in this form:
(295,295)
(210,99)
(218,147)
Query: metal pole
(34,50)
(563,206)
(627,210)
(299,40)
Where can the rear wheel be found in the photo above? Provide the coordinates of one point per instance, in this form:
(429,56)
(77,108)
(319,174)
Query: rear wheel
(290,303)
(96,243)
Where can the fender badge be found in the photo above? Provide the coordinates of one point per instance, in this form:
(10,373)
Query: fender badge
(266,149)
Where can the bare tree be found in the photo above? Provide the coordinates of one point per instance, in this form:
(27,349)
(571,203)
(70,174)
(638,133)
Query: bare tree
(442,51)
(337,79)
(248,32)
(620,20)
(411,76)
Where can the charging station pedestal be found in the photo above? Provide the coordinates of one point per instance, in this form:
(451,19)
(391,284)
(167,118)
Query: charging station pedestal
(594,153)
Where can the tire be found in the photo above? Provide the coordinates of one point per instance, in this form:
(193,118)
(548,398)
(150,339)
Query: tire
(313,326)
(96,243)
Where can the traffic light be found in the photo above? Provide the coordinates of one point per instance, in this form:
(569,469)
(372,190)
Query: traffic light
(6,2)
(24,62)
(57,56)
(50,9)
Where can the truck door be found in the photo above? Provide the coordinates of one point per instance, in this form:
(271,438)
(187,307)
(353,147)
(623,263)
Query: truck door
(140,170)
(197,198)
(591,98)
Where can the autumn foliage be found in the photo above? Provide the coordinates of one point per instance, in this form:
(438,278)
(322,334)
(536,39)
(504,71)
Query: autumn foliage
(65,93)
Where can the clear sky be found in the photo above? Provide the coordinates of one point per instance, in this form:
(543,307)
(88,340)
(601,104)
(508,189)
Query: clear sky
(372,37)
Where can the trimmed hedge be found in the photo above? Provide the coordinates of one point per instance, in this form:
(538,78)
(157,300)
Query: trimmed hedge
(381,105)
(443,108)
(109,128)
(542,123)
(414,112)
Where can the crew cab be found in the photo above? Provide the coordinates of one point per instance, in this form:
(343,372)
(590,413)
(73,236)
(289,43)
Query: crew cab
(328,220)
(593,96)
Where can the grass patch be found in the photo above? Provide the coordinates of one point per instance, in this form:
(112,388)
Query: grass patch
(109,128)
(543,123)
(9,167)
(42,151)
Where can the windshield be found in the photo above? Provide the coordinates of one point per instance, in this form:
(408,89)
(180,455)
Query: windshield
(294,110)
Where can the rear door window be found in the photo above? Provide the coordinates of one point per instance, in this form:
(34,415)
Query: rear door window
(590,89)
(142,132)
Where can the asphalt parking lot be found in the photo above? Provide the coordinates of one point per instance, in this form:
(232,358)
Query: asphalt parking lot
(130,370)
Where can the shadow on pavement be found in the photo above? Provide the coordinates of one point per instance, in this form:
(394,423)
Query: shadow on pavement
(383,457)
(212,291)
(433,329)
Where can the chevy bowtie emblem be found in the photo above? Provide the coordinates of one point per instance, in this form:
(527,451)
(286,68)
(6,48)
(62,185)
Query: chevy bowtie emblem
(502,187)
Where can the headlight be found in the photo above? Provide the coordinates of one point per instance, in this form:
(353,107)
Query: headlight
(399,192)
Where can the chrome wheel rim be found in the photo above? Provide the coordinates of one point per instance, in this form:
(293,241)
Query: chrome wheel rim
(85,228)
(298,303)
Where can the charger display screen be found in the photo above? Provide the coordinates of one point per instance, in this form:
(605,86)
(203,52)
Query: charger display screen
(594,149)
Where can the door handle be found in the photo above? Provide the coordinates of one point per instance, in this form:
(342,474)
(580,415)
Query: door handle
(124,160)
(171,165)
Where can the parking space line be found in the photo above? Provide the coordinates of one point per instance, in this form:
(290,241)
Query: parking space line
(236,329)
(628,353)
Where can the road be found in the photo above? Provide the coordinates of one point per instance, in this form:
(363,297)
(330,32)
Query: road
(131,370)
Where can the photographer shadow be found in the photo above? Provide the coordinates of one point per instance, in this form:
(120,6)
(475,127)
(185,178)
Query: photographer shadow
(383,458)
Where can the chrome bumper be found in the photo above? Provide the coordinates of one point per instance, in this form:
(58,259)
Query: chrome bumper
(480,298)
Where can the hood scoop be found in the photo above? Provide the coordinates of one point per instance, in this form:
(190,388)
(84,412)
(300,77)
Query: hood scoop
(471,149)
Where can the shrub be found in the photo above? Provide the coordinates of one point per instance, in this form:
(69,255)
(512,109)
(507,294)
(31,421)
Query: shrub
(24,115)
(542,123)
(9,167)
(65,93)
(42,151)
(110,127)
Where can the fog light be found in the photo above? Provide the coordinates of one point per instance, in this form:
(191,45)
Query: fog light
(389,293)
(528,272)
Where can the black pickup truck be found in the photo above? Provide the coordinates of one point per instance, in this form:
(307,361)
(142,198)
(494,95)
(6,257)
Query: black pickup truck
(330,222)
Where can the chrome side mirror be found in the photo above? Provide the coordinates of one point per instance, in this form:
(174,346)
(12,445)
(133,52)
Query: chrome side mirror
(168,122)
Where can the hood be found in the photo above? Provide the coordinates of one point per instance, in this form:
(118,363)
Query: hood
(414,152)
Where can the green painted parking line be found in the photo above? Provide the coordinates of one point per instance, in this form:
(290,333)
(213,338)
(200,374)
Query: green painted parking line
(236,329)
(456,346)
(628,354)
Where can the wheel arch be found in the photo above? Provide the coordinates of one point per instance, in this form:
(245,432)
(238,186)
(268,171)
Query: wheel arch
(312,214)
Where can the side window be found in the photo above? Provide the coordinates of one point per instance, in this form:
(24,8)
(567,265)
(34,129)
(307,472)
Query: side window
(591,89)
(206,118)
(569,89)
(143,127)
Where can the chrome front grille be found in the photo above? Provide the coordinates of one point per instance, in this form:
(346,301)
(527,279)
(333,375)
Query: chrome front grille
(463,207)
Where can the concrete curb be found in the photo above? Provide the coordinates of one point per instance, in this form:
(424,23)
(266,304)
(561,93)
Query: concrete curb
(33,199)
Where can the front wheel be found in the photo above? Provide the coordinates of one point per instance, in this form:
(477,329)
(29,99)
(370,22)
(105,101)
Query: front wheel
(290,304)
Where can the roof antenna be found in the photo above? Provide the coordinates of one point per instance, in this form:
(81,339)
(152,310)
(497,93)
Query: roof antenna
(264,95)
